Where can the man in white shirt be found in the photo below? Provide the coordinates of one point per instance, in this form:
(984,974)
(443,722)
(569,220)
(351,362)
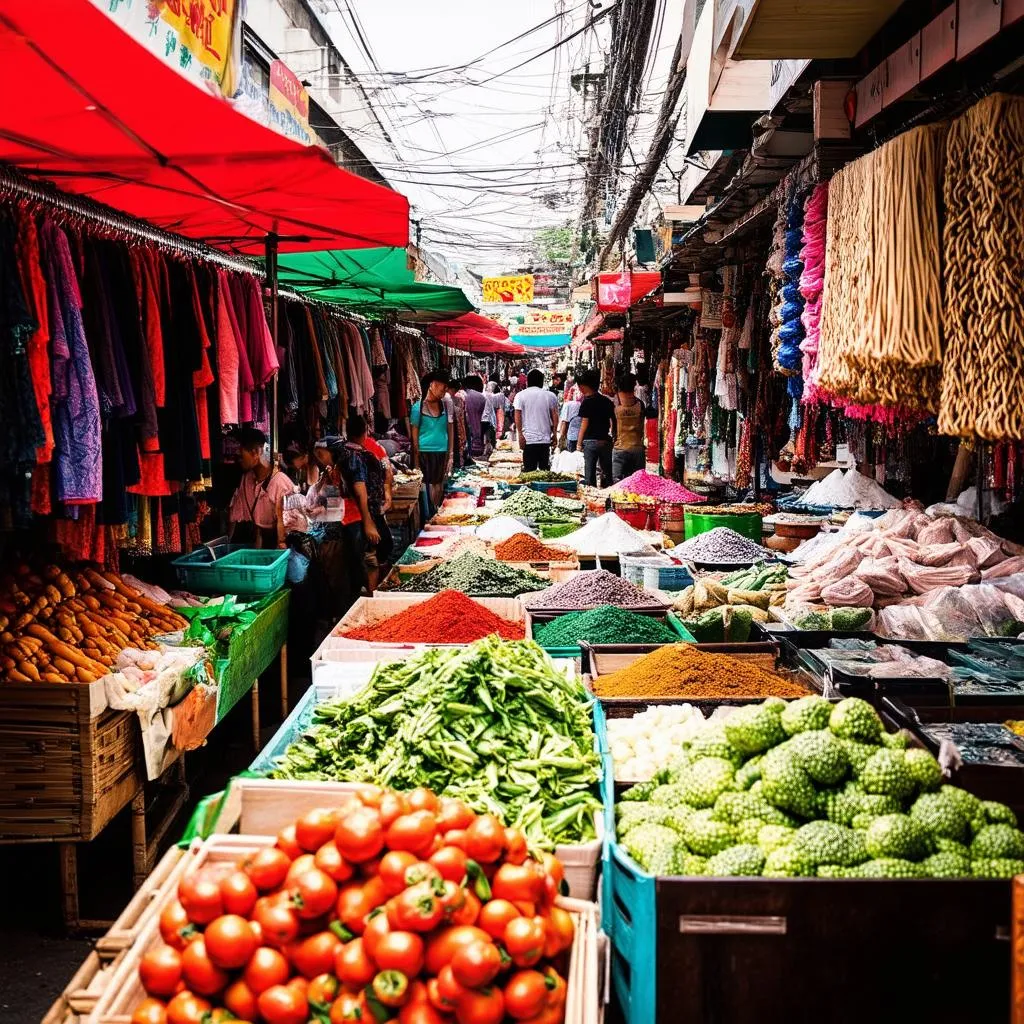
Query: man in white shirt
(536,412)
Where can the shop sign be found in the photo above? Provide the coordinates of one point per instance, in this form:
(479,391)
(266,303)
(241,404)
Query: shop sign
(253,99)
(616,292)
(548,316)
(540,329)
(287,93)
(201,38)
(510,288)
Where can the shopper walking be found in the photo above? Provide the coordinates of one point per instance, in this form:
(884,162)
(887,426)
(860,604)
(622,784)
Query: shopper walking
(432,421)
(379,483)
(569,420)
(628,453)
(458,400)
(536,412)
(473,387)
(493,416)
(597,414)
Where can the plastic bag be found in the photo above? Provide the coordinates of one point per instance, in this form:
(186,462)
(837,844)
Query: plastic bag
(851,591)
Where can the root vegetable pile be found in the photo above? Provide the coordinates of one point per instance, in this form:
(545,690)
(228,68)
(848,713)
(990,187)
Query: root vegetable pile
(448,618)
(59,627)
(387,906)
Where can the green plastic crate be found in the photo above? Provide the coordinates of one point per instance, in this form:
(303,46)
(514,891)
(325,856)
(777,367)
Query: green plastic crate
(247,572)
(251,652)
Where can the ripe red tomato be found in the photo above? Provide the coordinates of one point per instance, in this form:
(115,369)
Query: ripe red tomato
(230,941)
(476,964)
(376,928)
(160,971)
(370,795)
(199,894)
(200,973)
(150,1011)
(314,955)
(267,868)
(175,928)
(356,901)
(423,799)
(485,839)
(330,861)
(240,1000)
(313,893)
(552,866)
(280,1004)
(279,924)
(267,967)
(524,940)
(187,1008)
(238,894)
(452,813)
(442,946)
(486,1006)
(451,862)
(414,832)
(469,911)
(420,1013)
(453,901)
(494,915)
(303,863)
(420,871)
(456,837)
(287,842)
(353,965)
(393,805)
(518,882)
(559,932)
(360,834)
(393,866)
(516,850)
(526,994)
(323,989)
(316,827)
(390,988)
(350,1006)
(400,951)
(557,988)
(417,909)
(436,998)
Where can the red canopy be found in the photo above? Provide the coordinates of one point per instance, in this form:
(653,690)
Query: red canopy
(472,332)
(92,110)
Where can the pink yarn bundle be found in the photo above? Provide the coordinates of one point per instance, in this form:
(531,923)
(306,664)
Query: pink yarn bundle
(653,486)
(812,279)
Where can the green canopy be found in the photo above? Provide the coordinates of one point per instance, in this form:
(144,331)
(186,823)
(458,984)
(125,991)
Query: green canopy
(373,279)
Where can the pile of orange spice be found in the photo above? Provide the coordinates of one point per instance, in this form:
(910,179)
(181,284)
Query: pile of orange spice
(521,547)
(447,618)
(680,670)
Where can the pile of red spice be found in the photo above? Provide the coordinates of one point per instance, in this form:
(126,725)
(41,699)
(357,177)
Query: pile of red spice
(521,547)
(447,618)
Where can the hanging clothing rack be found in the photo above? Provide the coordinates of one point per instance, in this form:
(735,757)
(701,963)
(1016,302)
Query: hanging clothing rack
(15,185)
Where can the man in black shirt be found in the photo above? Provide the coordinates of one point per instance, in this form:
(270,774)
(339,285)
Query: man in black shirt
(597,423)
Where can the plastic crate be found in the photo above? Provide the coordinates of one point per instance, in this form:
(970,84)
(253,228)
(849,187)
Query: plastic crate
(667,577)
(633,565)
(246,572)
(747,524)
(569,486)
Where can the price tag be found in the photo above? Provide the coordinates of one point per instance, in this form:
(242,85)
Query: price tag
(842,454)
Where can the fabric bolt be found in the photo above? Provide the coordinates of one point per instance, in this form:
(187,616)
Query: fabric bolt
(76,405)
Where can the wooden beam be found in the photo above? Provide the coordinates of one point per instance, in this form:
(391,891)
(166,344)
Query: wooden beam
(830,120)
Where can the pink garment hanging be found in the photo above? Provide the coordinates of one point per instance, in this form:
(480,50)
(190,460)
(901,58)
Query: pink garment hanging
(262,356)
(227,353)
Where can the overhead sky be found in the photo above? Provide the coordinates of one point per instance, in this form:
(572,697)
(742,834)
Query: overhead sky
(487,130)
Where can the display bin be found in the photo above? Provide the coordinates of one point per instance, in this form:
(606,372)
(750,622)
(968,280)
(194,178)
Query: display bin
(569,486)
(748,524)
(251,651)
(68,764)
(1001,782)
(247,572)
(582,861)
(535,619)
(735,950)
(123,992)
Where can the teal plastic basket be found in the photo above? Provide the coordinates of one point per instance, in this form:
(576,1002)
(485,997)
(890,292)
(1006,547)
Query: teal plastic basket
(248,571)
(629,916)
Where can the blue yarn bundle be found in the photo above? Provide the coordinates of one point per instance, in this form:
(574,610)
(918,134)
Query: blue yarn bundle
(791,330)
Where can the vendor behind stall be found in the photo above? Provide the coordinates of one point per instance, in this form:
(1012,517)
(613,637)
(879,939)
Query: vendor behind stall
(433,435)
(255,513)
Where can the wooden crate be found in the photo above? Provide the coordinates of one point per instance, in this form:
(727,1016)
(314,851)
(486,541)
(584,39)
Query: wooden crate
(67,764)
(123,992)
(78,1000)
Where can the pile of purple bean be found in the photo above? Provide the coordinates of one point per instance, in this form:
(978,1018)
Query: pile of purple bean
(591,589)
